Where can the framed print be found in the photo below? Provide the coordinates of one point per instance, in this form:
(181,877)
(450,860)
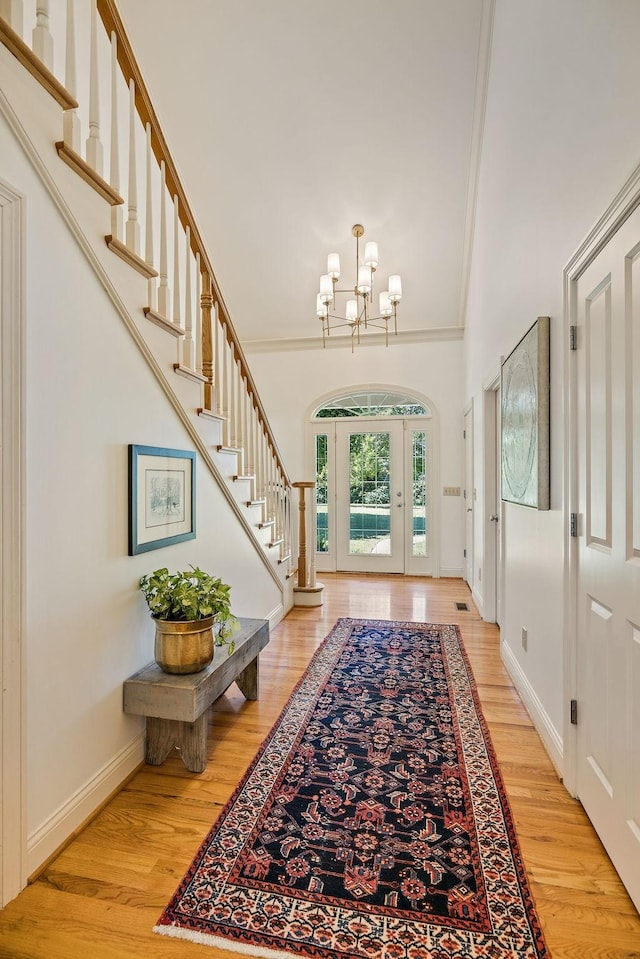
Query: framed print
(162,497)
(525,420)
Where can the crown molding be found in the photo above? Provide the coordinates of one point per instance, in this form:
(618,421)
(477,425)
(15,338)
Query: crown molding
(339,341)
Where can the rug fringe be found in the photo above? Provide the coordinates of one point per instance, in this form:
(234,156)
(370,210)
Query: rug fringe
(204,939)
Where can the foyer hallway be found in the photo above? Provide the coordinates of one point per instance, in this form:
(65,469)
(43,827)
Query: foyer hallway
(100,897)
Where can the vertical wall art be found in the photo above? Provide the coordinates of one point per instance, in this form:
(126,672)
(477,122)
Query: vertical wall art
(525,420)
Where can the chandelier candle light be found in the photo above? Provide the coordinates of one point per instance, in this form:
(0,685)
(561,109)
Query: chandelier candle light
(358,311)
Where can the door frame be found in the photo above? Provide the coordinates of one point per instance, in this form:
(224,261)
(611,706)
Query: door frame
(313,427)
(621,207)
(13,819)
(491,504)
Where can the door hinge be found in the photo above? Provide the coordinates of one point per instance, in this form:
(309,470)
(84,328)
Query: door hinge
(573,527)
(464,434)
(574,712)
(573,337)
(465,494)
(464,553)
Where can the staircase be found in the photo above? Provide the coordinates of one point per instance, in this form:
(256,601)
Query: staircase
(133,221)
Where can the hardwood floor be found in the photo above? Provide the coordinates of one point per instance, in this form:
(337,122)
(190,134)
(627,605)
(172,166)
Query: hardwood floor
(101,896)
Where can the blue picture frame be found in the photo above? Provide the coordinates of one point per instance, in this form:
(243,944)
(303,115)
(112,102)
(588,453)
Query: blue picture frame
(162,497)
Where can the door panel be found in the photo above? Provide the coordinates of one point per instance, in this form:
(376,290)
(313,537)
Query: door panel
(498,503)
(468,496)
(370,496)
(608,574)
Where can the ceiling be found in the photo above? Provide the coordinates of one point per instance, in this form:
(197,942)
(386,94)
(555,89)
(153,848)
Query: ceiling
(291,120)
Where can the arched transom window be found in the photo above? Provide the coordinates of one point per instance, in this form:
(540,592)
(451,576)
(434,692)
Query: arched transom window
(371,403)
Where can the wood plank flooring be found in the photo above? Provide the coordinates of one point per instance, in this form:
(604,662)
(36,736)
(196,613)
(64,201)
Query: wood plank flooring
(101,896)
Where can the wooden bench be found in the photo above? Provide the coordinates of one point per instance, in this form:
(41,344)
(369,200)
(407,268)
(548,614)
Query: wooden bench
(176,706)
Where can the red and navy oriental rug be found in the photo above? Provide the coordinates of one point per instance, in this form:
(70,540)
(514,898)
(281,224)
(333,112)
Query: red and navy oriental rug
(373,823)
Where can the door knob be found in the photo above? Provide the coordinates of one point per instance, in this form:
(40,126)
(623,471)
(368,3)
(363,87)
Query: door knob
(494,518)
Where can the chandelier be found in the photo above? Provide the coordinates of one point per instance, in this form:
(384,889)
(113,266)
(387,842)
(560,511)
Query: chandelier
(358,311)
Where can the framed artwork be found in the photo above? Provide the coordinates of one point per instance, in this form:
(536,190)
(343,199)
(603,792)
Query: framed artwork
(162,497)
(525,420)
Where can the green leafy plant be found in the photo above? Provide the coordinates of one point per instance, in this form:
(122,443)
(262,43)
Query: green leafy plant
(189,595)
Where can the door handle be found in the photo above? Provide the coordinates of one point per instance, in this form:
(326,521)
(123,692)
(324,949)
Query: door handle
(469,509)
(494,518)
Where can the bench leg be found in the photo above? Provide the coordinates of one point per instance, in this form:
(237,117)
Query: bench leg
(247,680)
(190,738)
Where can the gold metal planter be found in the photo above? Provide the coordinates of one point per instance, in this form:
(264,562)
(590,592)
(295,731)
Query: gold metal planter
(184,647)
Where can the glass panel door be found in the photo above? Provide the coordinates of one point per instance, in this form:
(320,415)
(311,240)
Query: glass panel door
(370,496)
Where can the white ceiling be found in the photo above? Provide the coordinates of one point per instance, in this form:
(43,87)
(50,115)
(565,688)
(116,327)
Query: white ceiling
(291,120)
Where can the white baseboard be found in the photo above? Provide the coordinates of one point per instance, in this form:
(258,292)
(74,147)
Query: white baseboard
(477,599)
(48,837)
(275,616)
(549,735)
(451,572)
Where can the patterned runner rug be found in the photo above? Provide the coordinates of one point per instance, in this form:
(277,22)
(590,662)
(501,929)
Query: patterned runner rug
(373,823)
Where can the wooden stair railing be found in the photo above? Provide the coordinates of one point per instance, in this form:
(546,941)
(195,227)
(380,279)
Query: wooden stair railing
(160,238)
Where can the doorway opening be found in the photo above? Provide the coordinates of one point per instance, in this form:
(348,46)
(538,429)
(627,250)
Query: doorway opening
(374,455)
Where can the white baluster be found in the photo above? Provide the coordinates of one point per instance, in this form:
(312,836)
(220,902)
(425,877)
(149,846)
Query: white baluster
(42,41)
(114,160)
(176,263)
(260,465)
(265,474)
(133,227)
(148,238)
(189,345)
(248,450)
(70,118)
(224,397)
(239,401)
(233,391)
(94,145)
(12,11)
(197,327)
(217,357)
(250,440)
(164,294)
(273,506)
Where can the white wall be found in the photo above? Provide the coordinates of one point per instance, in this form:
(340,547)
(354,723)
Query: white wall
(89,393)
(561,137)
(289,382)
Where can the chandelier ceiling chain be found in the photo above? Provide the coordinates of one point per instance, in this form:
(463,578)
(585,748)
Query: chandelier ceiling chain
(358,312)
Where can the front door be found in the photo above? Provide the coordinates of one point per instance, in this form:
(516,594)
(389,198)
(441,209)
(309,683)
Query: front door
(371,498)
(607,301)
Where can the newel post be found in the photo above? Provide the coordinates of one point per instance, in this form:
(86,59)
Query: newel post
(206,304)
(308,592)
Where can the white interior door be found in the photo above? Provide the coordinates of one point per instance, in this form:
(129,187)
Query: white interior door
(607,299)
(498,505)
(370,492)
(468,496)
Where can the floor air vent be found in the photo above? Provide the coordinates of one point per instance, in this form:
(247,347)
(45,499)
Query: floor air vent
(462,606)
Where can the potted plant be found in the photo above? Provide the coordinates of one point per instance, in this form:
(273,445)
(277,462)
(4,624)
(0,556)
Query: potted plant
(187,607)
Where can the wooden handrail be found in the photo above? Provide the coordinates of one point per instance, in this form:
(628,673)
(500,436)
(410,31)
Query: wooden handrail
(128,64)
